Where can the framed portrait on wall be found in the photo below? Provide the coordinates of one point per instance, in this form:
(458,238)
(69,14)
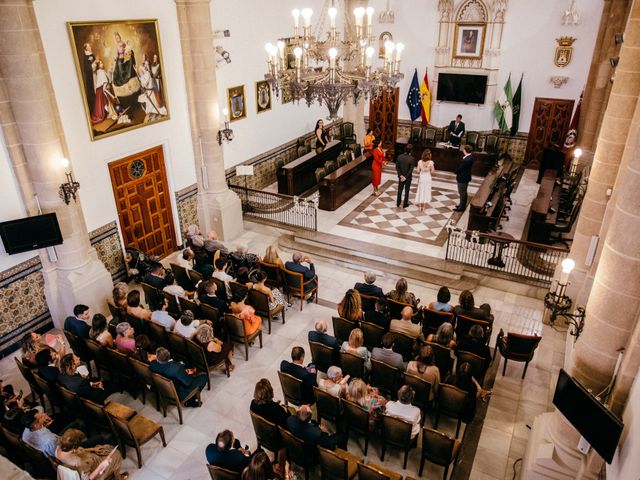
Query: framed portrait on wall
(237,103)
(120,71)
(469,40)
(263,96)
(384,36)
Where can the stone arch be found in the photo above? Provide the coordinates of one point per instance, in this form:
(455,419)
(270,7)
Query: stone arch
(472,11)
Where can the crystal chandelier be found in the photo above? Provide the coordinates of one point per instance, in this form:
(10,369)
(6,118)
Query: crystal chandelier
(331,70)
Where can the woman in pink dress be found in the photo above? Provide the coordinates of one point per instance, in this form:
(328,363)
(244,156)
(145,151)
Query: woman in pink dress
(376,166)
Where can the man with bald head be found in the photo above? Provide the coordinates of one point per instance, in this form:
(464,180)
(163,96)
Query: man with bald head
(320,335)
(369,287)
(300,425)
(405,325)
(308,273)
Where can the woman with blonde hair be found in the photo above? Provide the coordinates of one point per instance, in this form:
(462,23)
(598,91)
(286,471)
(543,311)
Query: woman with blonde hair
(355,345)
(368,398)
(271,256)
(351,306)
(95,463)
(401,293)
(214,349)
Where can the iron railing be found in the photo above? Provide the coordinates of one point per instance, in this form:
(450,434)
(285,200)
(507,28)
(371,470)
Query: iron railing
(533,262)
(277,209)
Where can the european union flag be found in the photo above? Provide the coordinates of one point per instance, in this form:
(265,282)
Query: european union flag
(413,97)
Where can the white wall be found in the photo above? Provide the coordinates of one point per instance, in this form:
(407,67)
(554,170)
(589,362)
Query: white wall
(626,463)
(89,159)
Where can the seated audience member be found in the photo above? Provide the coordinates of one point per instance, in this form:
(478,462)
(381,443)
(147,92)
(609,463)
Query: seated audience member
(351,306)
(160,315)
(442,301)
(243,258)
(276,297)
(264,405)
(30,345)
(100,332)
(222,266)
(378,316)
(259,468)
(475,344)
(368,398)
(194,236)
(125,343)
(145,349)
(155,276)
(78,322)
(227,453)
(133,306)
(185,260)
(464,380)
(271,256)
(401,294)
(202,265)
(300,425)
(184,381)
(252,322)
(13,410)
(335,383)
(320,335)
(214,244)
(308,273)
(242,277)
(210,298)
(37,434)
(424,367)
(95,390)
(355,345)
(369,287)
(215,349)
(443,336)
(172,288)
(296,369)
(99,462)
(468,309)
(403,409)
(405,325)
(187,325)
(120,291)
(386,354)
(47,368)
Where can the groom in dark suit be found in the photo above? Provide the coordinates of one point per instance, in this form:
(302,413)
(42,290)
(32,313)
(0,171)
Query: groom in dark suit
(456,130)
(404,166)
(463,177)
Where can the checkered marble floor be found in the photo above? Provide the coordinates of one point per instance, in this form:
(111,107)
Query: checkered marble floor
(380,214)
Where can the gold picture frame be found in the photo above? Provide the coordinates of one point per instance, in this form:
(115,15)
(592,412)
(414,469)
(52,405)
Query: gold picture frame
(384,36)
(263,96)
(120,70)
(237,103)
(469,41)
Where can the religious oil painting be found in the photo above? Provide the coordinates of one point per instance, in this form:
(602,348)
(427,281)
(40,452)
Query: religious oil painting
(120,70)
(469,41)
(237,103)
(263,96)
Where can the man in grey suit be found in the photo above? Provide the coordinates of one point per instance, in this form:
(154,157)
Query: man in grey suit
(404,166)
(386,353)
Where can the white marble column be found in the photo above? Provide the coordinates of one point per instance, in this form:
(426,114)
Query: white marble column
(351,112)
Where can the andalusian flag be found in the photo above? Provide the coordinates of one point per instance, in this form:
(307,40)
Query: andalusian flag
(515,108)
(413,97)
(502,110)
(425,98)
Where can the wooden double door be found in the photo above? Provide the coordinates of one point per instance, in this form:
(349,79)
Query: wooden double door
(550,122)
(383,118)
(142,197)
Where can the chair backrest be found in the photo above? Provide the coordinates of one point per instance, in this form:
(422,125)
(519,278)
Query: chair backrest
(78,345)
(71,400)
(174,306)
(196,356)
(296,451)
(445,134)
(177,346)
(372,472)
(235,327)
(48,389)
(142,370)
(182,277)
(151,293)
(472,138)
(294,281)
(237,289)
(432,319)
(186,304)
(443,358)
(120,364)
(273,273)
(464,324)
(330,166)
(323,356)
(166,388)
(416,135)
(491,143)
(194,276)
(342,160)
(396,431)
(327,405)
(403,344)
(135,323)
(430,135)
(266,433)
(342,328)
(437,447)
(384,377)
(476,363)
(99,354)
(292,388)
(209,313)
(347,129)
(368,302)
(395,308)
(352,365)
(421,387)
(332,466)
(28,376)
(356,416)
(219,473)
(521,346)
(94,413)
(157,333)
(221,289)
(451,400)
(372,334)
(259,301)
(123,430)
(320,174)
(39,462)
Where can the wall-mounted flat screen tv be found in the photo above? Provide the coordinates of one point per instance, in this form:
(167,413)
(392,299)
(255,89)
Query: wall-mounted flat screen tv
(456,87)
(30,233)
(600,427)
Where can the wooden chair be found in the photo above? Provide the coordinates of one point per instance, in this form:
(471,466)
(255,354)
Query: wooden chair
(404,345)
(194,276)
(357,420)
(472,139)
(327,405)
(144,376)
(352,365)
(322,356)
(491,144)
(476,363)
(395,308)
(267,434)
(298,287)
(422,390)
(176,345)
(186,304)
(135,323)
(443,358)
(100,358)
(464,324)
(182,277)
(347,135)
(384,377)
(516,347)
(28,376)
(274,274)
(372,334)
(135,432)
(221,289)
(157,334)
(292,388)
(416,135)
(432,319)
(151,293)
(320,173)
(79,347)
(438,448)
(209,313)
(70,401)
(237,333)
(396,432)
(219,473)
(342,328)
(198,359)
(237,289)
(123,373)
(368,302)
(41,467)
(430,136)
(372,471)
(260,302)
(452,402)
(338,464)
(95,415)
(16,452)
(50,391)
(169,396)
(174,305)
(297,453)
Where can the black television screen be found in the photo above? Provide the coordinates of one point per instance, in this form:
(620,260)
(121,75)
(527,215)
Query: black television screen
(456,87)
(30,233)
(600,427)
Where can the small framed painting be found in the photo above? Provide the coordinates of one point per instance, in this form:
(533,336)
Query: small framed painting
(384,36)
(263,96)
(469,41)
(237,103)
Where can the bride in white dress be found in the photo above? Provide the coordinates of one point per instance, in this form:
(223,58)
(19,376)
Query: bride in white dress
(425,170)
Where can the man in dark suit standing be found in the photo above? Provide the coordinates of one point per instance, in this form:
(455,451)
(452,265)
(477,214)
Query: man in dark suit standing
(404,166)
(175,371)
(296,368)
(463,177)
(308,273)
(456,130)
(78,323)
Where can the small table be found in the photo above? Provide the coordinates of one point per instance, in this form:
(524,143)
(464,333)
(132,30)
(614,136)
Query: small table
(499,244)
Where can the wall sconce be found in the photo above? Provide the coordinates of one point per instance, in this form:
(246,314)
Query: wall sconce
(69,189)
(614,61)
(559,303)
(225,134)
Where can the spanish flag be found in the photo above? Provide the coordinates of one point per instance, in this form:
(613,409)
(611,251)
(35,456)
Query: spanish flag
(425,98)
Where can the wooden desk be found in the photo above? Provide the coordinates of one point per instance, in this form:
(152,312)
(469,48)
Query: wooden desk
(492,189)
(299,176)
(542,219)
(341,185)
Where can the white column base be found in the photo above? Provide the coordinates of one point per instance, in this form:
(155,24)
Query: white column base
(221,212)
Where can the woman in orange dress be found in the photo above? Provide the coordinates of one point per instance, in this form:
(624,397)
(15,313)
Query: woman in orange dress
(376,166)
(368,143)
